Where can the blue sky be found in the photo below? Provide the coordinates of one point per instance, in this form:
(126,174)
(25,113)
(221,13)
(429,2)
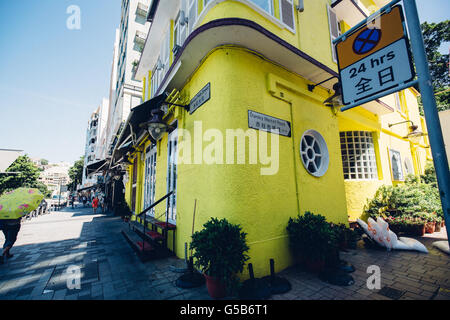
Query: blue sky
(53,78)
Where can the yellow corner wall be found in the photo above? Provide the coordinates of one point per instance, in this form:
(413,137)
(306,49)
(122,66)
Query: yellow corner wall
(262,205)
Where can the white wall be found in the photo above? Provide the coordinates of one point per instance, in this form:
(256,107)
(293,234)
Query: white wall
(444,116)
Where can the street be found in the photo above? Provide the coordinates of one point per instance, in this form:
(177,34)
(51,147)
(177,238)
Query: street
(50,245)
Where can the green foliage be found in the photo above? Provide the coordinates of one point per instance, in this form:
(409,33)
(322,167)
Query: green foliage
(27,176)
(434,34)
(405,199)
(76,173)
(220,249)
(429,175)
(345,235)
(311,236)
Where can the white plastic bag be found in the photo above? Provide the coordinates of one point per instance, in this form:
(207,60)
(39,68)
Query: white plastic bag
(413,244)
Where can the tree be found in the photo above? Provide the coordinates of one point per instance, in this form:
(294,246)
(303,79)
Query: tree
(76,173)
(44,162)
(23,174)
(434,34)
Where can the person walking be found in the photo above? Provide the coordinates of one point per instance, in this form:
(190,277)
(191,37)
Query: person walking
(84,201)
(95,204)
(10,228)
(72,201)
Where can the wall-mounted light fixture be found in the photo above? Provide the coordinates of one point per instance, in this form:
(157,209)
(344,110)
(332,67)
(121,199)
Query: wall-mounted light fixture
(336,99)
(414,134)
(156,126)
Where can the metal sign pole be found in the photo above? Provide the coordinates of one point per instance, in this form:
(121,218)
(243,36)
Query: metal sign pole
(429,107)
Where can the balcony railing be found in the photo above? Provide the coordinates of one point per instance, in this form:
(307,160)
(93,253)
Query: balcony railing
(142,10)
(140,38)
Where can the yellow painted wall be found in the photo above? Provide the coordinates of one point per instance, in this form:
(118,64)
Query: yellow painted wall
(238,192)
(385,138)
(312,30)
(242,81)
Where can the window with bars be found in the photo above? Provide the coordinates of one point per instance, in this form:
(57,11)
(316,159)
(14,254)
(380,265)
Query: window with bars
(358,155)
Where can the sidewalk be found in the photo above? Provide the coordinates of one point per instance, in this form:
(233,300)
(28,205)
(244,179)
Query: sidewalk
(49,244)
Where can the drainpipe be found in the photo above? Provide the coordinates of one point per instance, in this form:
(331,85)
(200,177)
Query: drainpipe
(295,157)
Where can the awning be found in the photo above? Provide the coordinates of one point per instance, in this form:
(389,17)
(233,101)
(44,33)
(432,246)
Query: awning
(95,186)
(138,115)
(349,11)
(94,167)
(7,157)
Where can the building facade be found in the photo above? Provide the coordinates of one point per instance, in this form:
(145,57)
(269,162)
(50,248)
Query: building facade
(55,176)
(254,142)
(126,89)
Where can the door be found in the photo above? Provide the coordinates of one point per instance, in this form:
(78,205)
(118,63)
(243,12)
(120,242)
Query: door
(172,156)
(150,179)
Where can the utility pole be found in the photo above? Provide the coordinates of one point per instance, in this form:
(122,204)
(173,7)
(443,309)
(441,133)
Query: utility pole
(430,109)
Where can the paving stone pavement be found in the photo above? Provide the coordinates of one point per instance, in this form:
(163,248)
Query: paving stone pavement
(49,245)
(418,275)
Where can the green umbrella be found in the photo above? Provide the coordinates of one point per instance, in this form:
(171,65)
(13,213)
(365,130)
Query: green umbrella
(17,203)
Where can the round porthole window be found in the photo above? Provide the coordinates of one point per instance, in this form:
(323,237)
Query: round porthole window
(314,153)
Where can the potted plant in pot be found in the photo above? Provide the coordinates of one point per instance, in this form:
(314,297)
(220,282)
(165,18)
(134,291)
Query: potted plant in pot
(220,252)
(312,240)
(438,224)
(346,237)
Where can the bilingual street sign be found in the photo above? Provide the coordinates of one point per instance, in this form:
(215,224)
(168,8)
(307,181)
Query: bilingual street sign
(200,98)
(263,122)
(375,59)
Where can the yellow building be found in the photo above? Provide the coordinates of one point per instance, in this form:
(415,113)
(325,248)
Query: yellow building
(232,70)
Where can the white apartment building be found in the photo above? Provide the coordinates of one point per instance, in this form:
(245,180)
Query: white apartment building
(101,144)
(92,134)
(55,175)
(126,90)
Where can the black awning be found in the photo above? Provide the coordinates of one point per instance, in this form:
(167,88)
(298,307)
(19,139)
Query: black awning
(95,186)
(138,115)
(93,167)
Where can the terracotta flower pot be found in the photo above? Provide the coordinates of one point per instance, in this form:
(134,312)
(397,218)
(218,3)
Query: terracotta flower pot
(438,227)
(416,230)
(429,227)
(216,288)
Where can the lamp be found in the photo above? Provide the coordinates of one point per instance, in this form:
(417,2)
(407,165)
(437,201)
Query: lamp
(156,127)
(336,99)
(414,135)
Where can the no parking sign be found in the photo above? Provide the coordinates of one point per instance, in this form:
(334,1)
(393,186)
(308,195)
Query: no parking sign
(375,59)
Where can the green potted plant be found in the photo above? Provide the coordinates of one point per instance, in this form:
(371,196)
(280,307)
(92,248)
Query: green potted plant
(415,226)
(220,252)
(312,240)
(345,236)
